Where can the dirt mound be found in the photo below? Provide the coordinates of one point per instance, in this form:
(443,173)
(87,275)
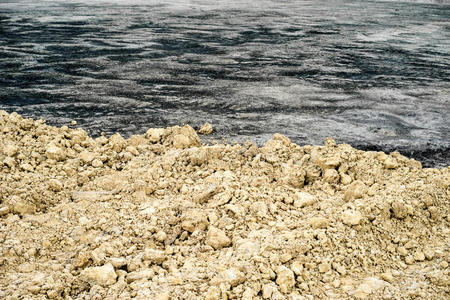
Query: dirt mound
(161,216)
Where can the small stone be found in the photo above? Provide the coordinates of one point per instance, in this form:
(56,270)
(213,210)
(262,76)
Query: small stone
(232,276)
(429,254)
(162,296)
(186,138)
(285,279)
(55,185)
(132,150)
(4,210)
(303,199)
(402,251)
(194,219)
(331,176)
(409,260)
(318,222)
(206,129)
(213,293)
(54,152)
(351,217)
(155,256)
(145,274)
(155,134)
(324,267)
(355,190)
(21,206)
(10,150)
(9,161)
(390,163)
(297,267)
(160,236)
(118,262)
(399,209)
(387,276)
(27,167)
(419,256)
(368,286)
(268,290)
(104,275)
(443,264)
(216,238)
(97,163)
(73,122)
(87,156)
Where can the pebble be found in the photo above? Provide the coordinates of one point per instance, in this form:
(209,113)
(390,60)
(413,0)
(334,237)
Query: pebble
(55,185)
(104,275)
(351,217)
(217,238)
(55,153)
(302,199)
(206,129)
(285,279)
(319,222)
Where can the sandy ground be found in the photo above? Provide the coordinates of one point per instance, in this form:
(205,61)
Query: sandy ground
(162,216)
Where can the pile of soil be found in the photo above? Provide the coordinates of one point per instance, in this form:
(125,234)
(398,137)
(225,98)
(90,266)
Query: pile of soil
(162,216)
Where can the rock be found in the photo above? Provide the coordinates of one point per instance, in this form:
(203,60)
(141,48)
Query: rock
(295,176)
(368,286)
(194,219)
(399,209)
(331,176)
(55,185)
(285,279)
(21,206)
(54,152)
(4,210)
(87,157)
(268,290)
(429,254)
(318,222)
(324,267)
(355,190)
(155,135)
(97,163)
(104,275)
(390,163)
(117,142)
(232,276)
(185,137)
(27,167)
(216,238)
(9,161)
(145,274)
(206,129)
(10,150)
(419,256)
(246,248)
(303,199)
(213,293)
(154,256)
(132,150)
(351,217)
(402,251)
(297,267)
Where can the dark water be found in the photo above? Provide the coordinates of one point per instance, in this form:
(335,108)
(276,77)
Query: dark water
(370,73)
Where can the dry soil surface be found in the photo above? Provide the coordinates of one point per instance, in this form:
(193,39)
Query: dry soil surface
(162,216)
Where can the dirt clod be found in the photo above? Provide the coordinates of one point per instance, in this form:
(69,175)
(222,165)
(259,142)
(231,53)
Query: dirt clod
(162,216)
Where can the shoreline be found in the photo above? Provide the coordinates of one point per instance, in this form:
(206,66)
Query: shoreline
(163,216)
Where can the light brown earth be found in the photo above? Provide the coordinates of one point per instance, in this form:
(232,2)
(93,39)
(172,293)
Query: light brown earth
(162,216)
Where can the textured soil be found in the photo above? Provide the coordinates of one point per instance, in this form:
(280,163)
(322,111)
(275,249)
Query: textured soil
(163,216)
